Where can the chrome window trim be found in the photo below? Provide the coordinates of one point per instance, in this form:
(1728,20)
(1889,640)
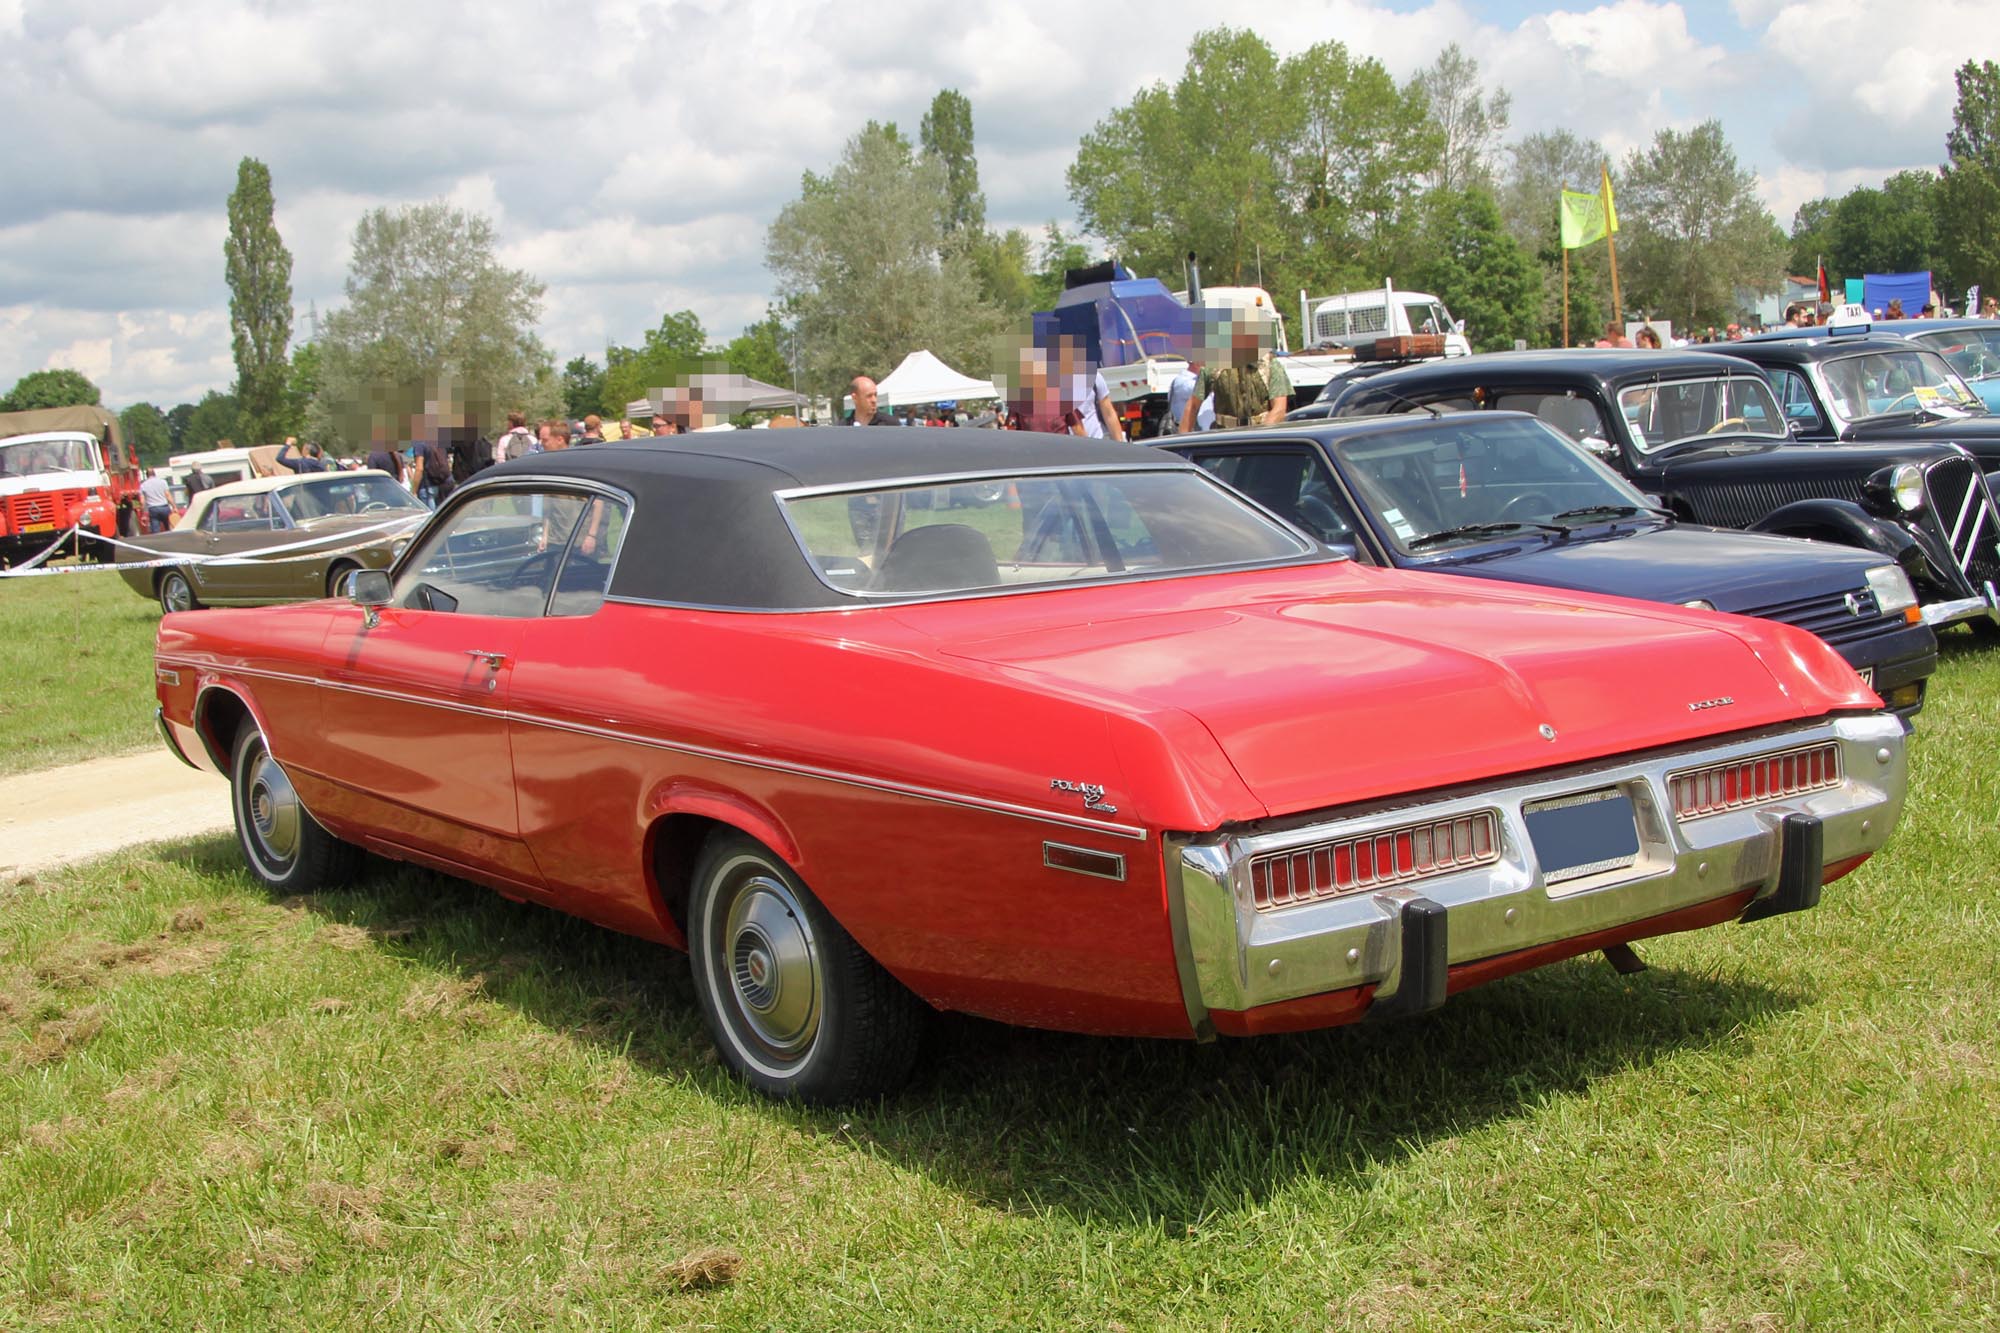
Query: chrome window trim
(476,489)
(1308,548)
(1241,957)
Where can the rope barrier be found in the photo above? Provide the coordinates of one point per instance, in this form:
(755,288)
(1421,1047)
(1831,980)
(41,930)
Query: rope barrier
(268,556)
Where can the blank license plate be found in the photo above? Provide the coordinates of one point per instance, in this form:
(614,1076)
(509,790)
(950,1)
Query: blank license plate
(1582,835)
(38,527)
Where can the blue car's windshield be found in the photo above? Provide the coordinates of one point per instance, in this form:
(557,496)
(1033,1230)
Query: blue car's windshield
(1894,383)
(1973,353)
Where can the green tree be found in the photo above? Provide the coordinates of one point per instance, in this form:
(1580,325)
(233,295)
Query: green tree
(667,355)
(178,418)
(1888,230)
(582,387)
(1059,254)
(1812,236)
(1482,273)
(258,268)
(1539,167)
(432,316)
(759,351)
(946,134)
(213,419)
(860,259)
(1469,121)
(145,429)
(302,382)
(61,387)
(1694,234)
(1969,194)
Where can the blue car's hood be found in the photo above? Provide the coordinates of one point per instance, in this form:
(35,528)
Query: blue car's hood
(1735,571)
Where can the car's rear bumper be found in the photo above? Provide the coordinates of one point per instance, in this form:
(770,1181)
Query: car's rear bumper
(1401,948)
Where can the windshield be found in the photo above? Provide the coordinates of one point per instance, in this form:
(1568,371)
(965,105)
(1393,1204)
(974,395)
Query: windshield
(29,458)
(1907,380)
(1023,531)
(348,495)
(1973,353)
(1467,471)
(1659,415)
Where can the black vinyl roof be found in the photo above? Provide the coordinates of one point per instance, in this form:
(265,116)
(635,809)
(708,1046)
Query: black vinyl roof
(707,531)
(1797,351)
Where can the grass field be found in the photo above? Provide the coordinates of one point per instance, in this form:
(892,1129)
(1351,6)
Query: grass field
(76,669)
(413,1104)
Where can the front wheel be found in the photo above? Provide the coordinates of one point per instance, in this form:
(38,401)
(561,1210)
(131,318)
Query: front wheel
(794,1004)
(176,593)
(286,847)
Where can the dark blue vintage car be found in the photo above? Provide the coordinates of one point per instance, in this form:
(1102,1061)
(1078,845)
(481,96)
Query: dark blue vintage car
(1704,433)
(1500,495)
(1970,346)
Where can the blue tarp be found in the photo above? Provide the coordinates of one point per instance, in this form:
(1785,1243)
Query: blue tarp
(1912,289)
(1121,321)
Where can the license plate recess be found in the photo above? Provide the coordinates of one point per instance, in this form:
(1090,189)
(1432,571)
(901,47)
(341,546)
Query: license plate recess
(1583,834)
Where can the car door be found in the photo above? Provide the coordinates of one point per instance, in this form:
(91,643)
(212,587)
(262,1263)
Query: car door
(234,525)
(416,716)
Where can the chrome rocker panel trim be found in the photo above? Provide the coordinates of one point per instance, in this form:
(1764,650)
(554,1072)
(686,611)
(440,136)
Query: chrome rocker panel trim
(1234,957)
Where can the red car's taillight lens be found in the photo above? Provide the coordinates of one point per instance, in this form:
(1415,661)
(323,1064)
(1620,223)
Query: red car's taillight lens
(1376,861)
(1773,777)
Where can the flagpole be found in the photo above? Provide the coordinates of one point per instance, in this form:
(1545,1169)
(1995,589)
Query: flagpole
(1565,297)
(1611,240)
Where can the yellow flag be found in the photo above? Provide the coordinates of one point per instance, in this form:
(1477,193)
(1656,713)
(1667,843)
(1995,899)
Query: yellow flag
(1610,210)
(1582,219)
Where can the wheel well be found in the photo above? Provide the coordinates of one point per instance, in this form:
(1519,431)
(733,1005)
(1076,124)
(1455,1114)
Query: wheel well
(337,571)
(676,845)
(218,716)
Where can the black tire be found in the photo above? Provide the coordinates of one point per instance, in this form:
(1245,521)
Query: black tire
(285,847)
(795,1006)
(177,592)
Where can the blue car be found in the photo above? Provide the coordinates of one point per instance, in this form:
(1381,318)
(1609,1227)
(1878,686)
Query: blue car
(1501,495)
(1972,346)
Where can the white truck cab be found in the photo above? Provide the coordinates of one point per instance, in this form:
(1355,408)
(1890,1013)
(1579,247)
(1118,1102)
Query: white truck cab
(1355,319)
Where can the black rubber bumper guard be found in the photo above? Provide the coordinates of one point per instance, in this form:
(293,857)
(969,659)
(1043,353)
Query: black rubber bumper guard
(1426,961)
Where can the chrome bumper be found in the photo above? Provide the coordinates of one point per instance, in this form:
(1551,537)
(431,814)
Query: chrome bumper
(1938,614)
(1235,956)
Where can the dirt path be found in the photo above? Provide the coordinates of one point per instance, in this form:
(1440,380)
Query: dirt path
(84,810)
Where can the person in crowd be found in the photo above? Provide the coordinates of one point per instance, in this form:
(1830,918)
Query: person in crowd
(1895,310)
(866,398)
(1647,337)
(1614,335)
(1735,332)
(1245,395)
(514,441)
(1085,389)
(310,461)
(158,499)
(1178,394)
(1989,308)
(383,457)
(555,436)
(197,481)
(593,430)
(437,482)
(664,424)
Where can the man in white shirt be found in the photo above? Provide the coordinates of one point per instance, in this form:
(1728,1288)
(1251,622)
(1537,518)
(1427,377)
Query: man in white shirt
(159,501)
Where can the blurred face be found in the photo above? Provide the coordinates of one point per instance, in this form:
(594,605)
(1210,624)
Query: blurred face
(662,426)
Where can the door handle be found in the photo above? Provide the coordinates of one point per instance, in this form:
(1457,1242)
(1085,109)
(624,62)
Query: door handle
(493,660)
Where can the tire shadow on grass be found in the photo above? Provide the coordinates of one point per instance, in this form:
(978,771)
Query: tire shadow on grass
(1154,1132)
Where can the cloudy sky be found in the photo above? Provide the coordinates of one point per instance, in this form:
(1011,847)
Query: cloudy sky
(632,153)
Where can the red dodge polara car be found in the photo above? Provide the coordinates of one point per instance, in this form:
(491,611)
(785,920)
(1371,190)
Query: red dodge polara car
(1055,731)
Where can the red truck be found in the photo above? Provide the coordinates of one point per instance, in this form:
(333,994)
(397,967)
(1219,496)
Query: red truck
(63,468)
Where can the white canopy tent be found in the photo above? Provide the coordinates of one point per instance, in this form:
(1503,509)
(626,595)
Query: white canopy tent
(922,378)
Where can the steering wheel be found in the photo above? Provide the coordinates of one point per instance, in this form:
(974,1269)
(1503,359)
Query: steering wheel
(1909,397)
(1526,502)
(374,506)
(1724,425)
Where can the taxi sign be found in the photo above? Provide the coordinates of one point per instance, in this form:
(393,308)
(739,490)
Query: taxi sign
(1850,318)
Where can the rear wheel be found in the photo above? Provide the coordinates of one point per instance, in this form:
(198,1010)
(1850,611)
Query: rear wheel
(336,577)
(796,1007)
(177,593)
(285,846)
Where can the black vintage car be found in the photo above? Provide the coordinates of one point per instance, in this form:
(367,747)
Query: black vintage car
(1875,386)
(1500,495)
(1705,435)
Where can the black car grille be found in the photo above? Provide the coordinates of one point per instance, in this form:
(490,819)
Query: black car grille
(1836,617)
(1738,505)
(1964,511)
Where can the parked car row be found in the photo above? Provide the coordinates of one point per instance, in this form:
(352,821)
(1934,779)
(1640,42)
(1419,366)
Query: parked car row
(1111,746)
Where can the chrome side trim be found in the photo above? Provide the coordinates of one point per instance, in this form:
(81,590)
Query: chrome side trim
(845,778)
(1173,849)
(1239,957)
(167,735)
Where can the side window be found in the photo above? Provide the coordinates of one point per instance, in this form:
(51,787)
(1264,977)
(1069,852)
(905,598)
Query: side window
(498,555)
(1796,396)
(1577,418)
(1292,483)
(586,569)
(240,513)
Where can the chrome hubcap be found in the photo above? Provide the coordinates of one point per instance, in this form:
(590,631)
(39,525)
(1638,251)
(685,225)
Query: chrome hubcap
(272,808)
(178,596)
(773,964)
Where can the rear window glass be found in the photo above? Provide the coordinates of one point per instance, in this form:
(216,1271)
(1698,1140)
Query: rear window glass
(1031,530)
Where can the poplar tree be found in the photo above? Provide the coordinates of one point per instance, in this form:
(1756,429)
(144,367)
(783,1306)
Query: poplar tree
(259,271)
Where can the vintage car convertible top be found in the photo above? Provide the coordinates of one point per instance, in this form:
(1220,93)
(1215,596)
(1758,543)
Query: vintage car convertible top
(1062,733)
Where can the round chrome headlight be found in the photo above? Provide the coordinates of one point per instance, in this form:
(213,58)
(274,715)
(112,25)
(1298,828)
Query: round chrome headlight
(1906,486)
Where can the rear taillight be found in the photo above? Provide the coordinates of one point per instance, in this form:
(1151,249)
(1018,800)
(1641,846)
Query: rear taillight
(1376,861)
(1773,777)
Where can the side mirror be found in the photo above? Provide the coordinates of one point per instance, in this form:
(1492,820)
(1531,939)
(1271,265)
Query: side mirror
(368,587)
